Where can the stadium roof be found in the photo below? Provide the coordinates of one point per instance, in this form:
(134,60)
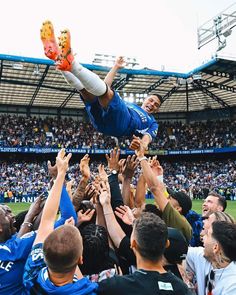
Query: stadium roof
(35,82)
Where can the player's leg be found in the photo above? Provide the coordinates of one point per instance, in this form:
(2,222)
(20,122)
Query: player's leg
(75,82)
(52,51)
(92,83)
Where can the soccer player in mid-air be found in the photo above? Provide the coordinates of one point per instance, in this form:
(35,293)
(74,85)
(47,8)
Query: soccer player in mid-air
(108,112)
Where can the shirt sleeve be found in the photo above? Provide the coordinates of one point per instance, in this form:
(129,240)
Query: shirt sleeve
(66,208)
(174,219)
(152,131)
(34,264)
(18,248)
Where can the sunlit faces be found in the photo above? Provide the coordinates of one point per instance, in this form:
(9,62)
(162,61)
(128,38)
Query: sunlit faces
(210,205)
(151,104)
(210,244)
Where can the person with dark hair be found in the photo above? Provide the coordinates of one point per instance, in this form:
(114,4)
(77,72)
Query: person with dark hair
(214,266)
(153,209)
(97,262)
(108,113)
(180,201)
(213,202)
(148,242)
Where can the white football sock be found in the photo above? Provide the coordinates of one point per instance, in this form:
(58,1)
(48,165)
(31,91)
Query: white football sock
(72,80)
(92,83)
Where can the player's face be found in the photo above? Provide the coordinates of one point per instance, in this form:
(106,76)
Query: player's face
(151,104)
(210,205)
(5,226)
(209,244)
(8,218)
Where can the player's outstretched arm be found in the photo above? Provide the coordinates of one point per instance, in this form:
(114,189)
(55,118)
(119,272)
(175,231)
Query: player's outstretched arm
(52,203)
(119,64)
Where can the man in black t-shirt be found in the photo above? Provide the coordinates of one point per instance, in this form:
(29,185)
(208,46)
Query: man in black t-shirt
(148,241)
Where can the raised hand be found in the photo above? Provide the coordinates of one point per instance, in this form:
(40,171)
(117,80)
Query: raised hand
(36,207)
(113,160)
(156,167)
(120,62)
(86,216)
(90,192)
(52,170)
(62,161)
(104,193)
(125,214)
(130,165)
(102,173)
(84,166)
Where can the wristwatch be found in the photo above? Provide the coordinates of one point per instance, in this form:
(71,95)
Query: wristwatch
(114,171)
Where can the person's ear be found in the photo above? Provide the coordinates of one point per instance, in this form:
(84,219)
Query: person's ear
(216,248)
(167,243)
(80,260)
(133,246)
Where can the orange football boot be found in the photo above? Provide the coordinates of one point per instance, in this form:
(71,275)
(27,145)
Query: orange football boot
(51,49)
(66,57)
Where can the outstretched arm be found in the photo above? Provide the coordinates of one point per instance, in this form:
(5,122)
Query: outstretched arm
(115,231)
(52,203)
(80,191)
(119,64)
(155,186)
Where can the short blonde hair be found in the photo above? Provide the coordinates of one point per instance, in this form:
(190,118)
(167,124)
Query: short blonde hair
(63,248)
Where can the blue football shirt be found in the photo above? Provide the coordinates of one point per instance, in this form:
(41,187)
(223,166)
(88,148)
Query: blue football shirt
(13,255)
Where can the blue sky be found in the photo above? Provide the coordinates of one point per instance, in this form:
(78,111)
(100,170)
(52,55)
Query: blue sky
(157,32)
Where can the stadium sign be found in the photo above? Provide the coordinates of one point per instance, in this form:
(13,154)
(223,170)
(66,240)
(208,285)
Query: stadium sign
(48,150)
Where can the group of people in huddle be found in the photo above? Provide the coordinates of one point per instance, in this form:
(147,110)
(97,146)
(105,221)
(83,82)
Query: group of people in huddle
(107,240)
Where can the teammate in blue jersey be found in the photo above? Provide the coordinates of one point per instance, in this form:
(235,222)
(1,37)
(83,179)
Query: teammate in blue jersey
(108,113)
(14,249)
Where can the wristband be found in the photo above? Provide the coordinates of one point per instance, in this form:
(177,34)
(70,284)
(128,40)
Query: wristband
(108,213)
(29,224)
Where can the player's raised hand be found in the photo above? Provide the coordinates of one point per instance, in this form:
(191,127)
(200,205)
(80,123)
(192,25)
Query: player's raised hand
(84,166)
(130,165)
(156,166)
(62,161)
(104,193)
(120,62)
(102,173)
(52,170)
(113,160)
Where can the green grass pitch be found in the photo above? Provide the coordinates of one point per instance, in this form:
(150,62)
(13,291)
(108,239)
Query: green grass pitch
(197,206)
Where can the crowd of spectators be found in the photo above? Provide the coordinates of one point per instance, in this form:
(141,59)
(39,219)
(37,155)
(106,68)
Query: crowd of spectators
(21,179)
(17,131)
